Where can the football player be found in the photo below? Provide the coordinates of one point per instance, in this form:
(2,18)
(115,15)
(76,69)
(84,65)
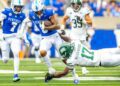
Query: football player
(12,19)
(33,25)
(80,18)
(76,54)
(36,20)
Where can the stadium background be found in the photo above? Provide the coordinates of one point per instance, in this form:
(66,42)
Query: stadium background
(105,26)
(105,14)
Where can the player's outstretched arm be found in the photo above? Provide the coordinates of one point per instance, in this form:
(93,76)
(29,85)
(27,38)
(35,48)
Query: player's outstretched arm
(61,74)
(49,77)
(26,23)
(65,38)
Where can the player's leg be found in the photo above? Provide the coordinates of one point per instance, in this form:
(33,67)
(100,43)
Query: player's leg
(45,46)
(58,41)
(16,47)
(109,59)
(5,48)
(35,49)
(84,69)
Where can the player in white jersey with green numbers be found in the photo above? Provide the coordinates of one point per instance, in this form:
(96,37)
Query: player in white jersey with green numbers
(77,54)
(79,18)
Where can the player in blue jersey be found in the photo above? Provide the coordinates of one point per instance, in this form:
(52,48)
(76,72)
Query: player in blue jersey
(32,23)
(36,20)
(49,33)
(11,19)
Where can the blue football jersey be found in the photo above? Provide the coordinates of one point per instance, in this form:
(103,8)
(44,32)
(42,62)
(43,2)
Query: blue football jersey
(36,22)
(47,13)
(12,21)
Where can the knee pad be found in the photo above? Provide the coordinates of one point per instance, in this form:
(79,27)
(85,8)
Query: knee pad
(43,53)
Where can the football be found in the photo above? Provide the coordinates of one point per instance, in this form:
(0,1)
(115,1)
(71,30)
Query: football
(47,23)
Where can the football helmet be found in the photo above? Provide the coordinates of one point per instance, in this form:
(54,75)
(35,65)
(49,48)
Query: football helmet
(76,5)
(66,50)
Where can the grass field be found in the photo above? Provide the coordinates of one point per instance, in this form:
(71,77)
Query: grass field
(32,74)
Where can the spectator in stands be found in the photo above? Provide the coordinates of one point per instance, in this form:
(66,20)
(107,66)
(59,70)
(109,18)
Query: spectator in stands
(98,8)
(47,2)
(59,7)
(116,11)
(110,7)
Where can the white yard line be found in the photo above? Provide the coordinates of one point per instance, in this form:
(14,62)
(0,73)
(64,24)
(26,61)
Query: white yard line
(38,72)
(85,78)
(22,72)
(64,78)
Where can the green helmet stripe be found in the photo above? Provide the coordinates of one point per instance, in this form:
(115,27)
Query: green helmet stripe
(76,1)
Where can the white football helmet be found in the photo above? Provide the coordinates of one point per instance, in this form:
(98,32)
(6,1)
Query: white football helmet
(76,4)
(17,3)
(37,5)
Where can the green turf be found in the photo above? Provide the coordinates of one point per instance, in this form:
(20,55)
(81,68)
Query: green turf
(29,79)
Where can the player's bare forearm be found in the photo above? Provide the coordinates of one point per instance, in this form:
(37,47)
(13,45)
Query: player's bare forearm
(65,38)
(53,27)
(64,19)
(88,19)
(61,74)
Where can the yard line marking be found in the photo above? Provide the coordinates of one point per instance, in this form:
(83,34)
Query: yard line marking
(42,72)
(84,78)
(22,72)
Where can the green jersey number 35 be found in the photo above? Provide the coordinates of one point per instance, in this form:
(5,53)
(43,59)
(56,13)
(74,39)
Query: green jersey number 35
(77,22)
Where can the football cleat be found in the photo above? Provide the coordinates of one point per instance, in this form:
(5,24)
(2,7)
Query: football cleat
(85,71)
(16,78)
(48,77)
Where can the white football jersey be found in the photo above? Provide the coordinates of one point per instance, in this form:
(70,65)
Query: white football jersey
(77,20)
(83,56)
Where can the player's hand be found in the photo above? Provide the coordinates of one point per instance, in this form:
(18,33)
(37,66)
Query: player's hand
(61,32)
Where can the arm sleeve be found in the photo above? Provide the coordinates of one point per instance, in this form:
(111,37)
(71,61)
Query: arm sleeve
(26,23)
(3,15)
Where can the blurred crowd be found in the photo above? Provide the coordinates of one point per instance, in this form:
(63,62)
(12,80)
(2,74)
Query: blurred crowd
(98,7)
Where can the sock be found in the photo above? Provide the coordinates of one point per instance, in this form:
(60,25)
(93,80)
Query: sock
(47,61)
(37,54)
(16,65)
(74,74)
